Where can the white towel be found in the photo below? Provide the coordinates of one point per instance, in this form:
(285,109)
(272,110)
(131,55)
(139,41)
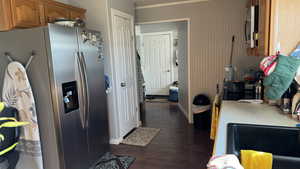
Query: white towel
(224,162)
(17,93)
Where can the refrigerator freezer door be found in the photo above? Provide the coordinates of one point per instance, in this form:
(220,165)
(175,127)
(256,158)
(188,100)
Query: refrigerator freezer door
(64,65)
(97,120)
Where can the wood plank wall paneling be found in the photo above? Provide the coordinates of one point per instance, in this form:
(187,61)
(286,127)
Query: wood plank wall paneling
(212,25)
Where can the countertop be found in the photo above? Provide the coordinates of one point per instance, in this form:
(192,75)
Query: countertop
(248,113)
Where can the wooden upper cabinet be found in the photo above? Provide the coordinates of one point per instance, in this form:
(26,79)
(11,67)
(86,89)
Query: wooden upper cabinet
(262,34)
(264,27)
(25,13)
(53,12)
(33,13)
(5,15)
(76,14)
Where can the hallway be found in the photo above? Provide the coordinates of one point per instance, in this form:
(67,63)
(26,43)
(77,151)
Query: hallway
(177,146)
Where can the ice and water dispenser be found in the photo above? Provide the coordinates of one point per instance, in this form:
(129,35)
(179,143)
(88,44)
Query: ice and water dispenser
(70,96)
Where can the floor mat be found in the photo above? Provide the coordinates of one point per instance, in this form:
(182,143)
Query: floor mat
(158,100)
(110,161)
(142,136)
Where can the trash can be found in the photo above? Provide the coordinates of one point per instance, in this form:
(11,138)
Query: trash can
(202,112)
(173,96)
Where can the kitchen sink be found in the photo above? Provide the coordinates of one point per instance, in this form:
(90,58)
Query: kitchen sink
(282,142)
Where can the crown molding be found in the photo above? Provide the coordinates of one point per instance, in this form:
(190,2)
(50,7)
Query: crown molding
(170,4)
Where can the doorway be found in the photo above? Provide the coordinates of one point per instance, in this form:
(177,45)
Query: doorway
(163,47)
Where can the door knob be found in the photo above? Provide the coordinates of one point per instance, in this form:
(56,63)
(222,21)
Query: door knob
(123,84)
(168,70)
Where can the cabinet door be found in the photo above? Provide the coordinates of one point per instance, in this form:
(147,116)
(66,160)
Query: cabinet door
(76,15)
(5,15)
(53,12)
(263,31)
(264,27)
(25,13)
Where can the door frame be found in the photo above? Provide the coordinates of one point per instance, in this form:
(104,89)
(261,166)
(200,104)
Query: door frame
(188,20)
(170,33)
(115,74)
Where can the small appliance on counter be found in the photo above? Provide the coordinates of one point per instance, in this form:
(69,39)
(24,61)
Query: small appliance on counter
(243,90)
(233,90)
(250,90)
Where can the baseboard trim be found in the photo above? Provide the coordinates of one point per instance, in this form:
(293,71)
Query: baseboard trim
(139,124)
(116,141)
(183,111)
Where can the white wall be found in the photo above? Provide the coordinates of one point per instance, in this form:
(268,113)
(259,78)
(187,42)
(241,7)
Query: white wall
(126,6)
(98,17)
(159,27)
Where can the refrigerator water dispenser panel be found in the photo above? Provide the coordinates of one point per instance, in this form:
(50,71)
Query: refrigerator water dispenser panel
(70,96)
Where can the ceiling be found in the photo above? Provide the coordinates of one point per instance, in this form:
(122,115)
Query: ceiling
(153,2)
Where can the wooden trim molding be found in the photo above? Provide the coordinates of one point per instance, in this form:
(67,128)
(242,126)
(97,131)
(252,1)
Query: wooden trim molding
(188,20)
(185,113)
(64,5)
(115,141)
(170,4)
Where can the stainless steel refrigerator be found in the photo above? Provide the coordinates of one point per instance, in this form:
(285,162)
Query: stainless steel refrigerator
(67,78)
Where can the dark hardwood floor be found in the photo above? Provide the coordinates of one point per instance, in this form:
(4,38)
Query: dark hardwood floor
(177,146)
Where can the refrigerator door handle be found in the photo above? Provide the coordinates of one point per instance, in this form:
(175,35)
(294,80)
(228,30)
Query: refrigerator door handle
(82,103)
(87,94)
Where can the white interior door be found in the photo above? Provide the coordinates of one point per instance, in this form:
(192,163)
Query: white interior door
(124,58)
(157,62)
